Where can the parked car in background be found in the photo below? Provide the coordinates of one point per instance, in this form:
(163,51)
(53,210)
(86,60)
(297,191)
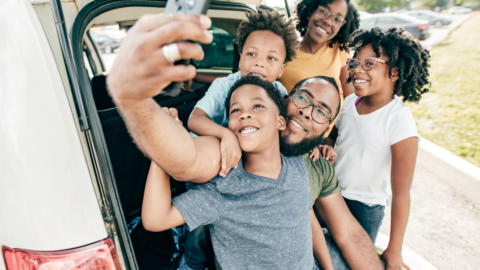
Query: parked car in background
(459,10)
(418,28)
(401,11)
(105,42)
(364,15)
(432,17)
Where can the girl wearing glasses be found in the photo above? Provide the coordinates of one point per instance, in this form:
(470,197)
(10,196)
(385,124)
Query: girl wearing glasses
(325,26)
(375,136)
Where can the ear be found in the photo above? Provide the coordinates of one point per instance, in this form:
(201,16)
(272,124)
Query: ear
(281,70)
(327,129)
(394,77)
(282,123)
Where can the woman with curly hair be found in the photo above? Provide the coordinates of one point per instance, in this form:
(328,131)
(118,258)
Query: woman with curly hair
(325,26)
(375,136)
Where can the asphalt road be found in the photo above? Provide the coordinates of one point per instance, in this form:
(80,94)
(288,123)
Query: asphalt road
(439,34)
(444,226)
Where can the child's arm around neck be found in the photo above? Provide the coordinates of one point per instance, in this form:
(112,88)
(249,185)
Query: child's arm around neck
(201,124)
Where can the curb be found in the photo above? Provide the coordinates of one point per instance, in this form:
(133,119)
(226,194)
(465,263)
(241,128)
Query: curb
(444,35)
(410,257)
(453,170)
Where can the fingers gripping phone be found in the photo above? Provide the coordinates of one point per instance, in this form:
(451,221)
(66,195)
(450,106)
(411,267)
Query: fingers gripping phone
(183,7)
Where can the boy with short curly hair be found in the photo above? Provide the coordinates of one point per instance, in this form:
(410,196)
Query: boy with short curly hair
(260,215)
(267,42)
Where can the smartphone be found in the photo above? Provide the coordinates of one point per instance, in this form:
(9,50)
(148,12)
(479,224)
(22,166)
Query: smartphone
(185,7)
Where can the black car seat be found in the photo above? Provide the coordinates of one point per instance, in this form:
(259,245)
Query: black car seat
(131,168)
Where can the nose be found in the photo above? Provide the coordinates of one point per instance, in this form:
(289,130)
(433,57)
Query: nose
(260,63)
(329,20)
(307,112)
(245,115)
(358,68)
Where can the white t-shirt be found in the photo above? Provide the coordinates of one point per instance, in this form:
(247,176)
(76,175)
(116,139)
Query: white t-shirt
(363,149)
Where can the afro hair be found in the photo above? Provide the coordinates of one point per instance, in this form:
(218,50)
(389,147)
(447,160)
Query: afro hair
(305,9)
(404,52)
(271,90)
(274,22)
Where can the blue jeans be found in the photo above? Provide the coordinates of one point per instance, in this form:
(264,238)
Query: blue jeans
(369,217)
(360,211)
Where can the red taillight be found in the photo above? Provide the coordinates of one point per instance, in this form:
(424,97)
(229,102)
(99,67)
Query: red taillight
(422,27)
(97,256)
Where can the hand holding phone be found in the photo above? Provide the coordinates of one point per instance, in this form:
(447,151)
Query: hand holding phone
(183,7)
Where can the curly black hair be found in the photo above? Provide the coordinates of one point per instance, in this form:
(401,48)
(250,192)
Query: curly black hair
(404,52)
(325,78)
(272,21)
(271,90)
(305,9)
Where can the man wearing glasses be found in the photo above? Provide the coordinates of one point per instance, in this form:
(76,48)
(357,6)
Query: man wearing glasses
(312,105)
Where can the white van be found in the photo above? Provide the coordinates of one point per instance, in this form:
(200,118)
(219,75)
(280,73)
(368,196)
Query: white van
(71,179)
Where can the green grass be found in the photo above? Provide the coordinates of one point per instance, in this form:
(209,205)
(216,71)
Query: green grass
(449,115)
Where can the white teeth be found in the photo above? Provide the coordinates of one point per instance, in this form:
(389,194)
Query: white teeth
(257,75)
(248,130)
(360,81)
(296,124)
(322,30)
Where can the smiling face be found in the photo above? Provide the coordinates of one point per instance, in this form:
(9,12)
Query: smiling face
(255,119)
(263,56)
(375,81)
(320,30)
(300,125)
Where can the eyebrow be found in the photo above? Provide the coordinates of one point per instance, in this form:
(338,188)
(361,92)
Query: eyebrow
(321,102)
(257,98)
(253,47)
(339,13)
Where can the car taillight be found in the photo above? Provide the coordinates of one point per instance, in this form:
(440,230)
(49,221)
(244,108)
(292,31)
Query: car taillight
(97,256)
(422,27)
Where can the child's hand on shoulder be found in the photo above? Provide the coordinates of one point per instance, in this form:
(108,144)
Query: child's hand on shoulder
(326,151)
(393,260)
(230,153)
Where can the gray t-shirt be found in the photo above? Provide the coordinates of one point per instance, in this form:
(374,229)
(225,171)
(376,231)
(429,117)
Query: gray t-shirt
(255,222)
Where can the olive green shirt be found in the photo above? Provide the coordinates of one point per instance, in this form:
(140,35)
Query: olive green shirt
(323,181)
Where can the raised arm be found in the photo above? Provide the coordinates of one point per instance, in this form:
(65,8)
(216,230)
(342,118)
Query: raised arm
(141,71)
(352,240)
(158,213)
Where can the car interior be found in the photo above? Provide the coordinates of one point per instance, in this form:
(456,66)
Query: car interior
(130,167)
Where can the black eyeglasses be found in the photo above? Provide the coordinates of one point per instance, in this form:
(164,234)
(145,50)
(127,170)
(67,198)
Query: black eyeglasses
(319,114)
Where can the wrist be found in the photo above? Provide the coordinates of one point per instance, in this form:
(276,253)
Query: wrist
(394,249)
(225,133)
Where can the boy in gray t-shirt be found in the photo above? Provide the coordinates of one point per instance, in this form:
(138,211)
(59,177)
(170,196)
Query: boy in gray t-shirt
(260,215)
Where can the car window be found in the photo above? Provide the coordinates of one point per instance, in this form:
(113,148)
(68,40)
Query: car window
(108,40)
(219,53)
